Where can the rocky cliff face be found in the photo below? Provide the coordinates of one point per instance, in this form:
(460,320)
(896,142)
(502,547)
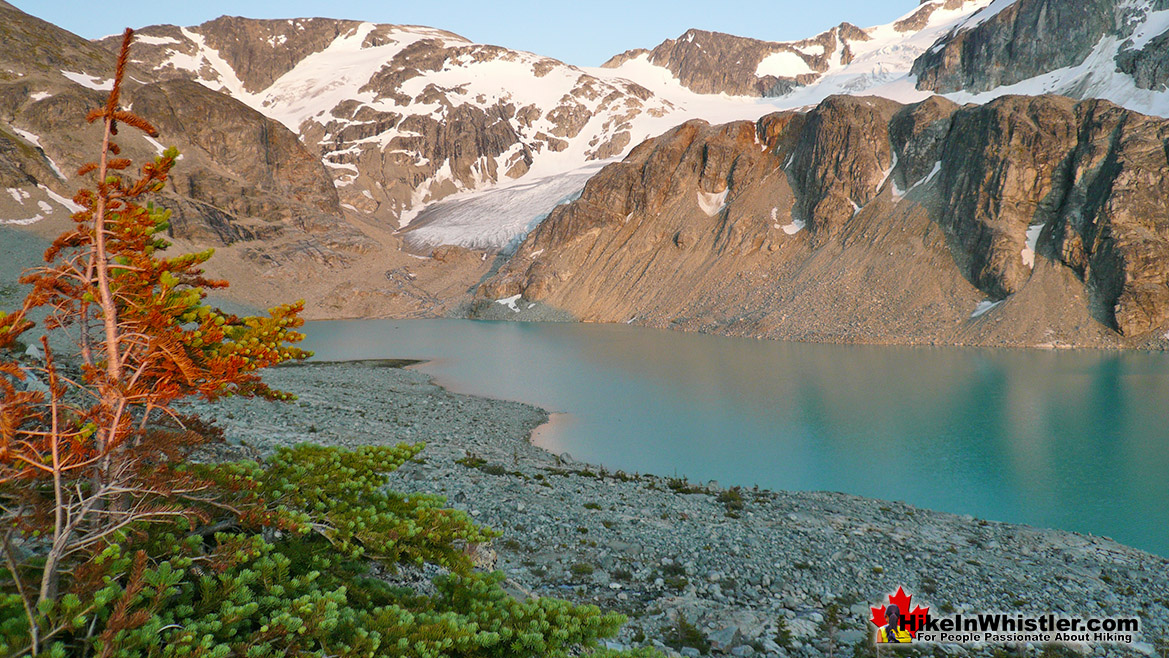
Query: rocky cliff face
(1012,41)
(1024,221)
(245,184)
(243,175)
(253,168)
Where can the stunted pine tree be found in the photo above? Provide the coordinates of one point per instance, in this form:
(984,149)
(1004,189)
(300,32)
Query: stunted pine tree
(87,459)
(115,545)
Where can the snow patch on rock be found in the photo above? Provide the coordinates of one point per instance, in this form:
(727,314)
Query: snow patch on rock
(23,222)
(155,41)
(35,140)
(783,64)
(66,202)
(510,302)
(90,81)
(712,203)
(984,307)
(1028,252)
(796,226)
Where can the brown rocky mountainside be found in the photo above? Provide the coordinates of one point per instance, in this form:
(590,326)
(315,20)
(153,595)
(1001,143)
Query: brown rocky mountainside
(1029,220)
(242,176)
(245,183)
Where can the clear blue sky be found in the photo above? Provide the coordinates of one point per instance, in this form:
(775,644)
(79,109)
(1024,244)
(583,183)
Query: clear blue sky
(582,32)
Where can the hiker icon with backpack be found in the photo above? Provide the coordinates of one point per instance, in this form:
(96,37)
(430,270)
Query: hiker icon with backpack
(892,632)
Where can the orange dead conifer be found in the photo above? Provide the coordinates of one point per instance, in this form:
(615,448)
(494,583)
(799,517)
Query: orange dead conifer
(85,460)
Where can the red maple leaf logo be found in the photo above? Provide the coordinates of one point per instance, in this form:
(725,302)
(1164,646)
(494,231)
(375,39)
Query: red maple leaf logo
(912,619)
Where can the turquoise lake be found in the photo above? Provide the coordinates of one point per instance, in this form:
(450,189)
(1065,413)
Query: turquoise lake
(1077,440)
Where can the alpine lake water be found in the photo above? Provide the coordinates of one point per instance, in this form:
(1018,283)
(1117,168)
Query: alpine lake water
(1076,440)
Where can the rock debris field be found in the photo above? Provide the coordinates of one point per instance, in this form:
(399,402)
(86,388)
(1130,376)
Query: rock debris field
(702,569)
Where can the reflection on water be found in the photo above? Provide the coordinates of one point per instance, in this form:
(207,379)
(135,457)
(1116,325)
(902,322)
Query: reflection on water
(1074,440)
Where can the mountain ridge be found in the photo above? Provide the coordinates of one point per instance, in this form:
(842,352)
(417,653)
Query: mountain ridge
(387,106)
(392,170)
(944,230)
(713,63)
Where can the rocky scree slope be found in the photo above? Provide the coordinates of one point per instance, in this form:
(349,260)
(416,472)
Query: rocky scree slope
(1026,221)
(756,572)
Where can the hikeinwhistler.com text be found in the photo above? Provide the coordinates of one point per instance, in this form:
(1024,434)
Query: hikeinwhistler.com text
(996,628)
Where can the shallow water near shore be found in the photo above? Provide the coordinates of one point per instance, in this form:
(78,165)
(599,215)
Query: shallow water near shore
(1077,440)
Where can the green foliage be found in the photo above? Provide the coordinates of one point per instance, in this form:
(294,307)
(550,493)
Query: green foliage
(344,495)
(783,634)
(300,569)
(686,634)
(582,569)
(682,486)
(732,498)
(674,576)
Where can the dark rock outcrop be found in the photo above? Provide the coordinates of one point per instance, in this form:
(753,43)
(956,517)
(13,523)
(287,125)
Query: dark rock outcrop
(1027,38)
(262,170)
(717,63)
(1149,64)
(841,160)
(1110,210)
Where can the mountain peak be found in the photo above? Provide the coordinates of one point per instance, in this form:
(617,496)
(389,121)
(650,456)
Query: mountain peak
(715,63)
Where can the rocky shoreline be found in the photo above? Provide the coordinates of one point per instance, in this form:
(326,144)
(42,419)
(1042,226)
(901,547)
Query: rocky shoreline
(699,568)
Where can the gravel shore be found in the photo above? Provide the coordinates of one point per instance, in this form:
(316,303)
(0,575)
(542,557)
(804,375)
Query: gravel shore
(698,568)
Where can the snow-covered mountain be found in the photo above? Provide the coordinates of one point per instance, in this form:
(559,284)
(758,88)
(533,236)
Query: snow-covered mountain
(314,148)
(845,59)
(968,51)
(406,116)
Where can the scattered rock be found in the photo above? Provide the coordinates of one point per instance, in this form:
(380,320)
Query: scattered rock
(816,548)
